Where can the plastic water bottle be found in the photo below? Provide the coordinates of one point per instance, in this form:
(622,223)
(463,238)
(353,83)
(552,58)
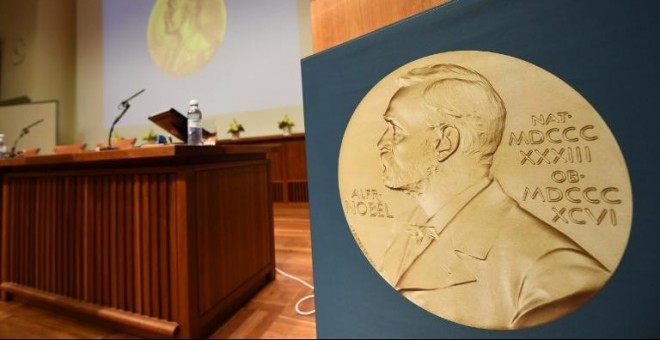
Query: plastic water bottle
(3,147)
(194,124)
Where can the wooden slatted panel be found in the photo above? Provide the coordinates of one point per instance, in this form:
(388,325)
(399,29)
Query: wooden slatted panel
(114,246)
(298,191)
(58,236)
(129,184)
(117,255)
(163,248)
(137,245)
(174,251)
(39,239)
(153,245)
(32,236)
(144,227)
(119,241)
(104,249)
(80,191)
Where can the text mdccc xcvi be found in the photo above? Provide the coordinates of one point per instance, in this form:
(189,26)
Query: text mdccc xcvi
(491,193)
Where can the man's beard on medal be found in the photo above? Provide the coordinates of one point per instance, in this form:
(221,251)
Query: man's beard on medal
(409,179)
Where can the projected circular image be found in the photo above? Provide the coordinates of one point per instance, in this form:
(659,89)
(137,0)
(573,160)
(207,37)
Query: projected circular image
(485,190)
(183,35)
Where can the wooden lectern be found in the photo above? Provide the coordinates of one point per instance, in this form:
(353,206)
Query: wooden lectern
(163,241)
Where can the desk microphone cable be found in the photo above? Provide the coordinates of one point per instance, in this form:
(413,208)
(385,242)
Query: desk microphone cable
(305,298)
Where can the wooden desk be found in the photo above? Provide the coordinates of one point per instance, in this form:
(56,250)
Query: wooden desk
(162,241)
(288,165)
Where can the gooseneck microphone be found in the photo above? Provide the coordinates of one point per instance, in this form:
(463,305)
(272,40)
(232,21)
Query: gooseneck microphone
(124,105)
(24,131)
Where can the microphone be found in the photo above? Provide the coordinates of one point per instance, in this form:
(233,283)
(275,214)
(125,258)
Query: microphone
(24,132)
(125,102)
(123,105)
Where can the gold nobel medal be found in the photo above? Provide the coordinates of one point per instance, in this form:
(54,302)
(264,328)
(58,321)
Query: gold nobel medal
(485,190)
(184,35)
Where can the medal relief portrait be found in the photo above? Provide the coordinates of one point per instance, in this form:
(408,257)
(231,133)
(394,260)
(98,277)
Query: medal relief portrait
(485,190)
(184,35)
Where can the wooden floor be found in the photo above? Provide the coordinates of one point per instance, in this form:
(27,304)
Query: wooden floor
(270,314)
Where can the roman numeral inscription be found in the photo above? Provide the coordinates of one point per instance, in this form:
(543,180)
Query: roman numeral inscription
(563,145)
(555,140)
(595,213)
(567,155)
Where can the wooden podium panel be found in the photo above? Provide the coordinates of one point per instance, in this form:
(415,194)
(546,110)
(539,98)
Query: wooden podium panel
(162,241)
(288,164)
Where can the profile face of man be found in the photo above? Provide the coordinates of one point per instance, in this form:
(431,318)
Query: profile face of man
(407,145)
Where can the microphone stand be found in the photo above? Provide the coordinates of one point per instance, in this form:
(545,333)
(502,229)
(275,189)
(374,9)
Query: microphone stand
(124,106)
(24,131)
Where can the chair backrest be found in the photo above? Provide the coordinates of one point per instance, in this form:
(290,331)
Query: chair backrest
(69,148)
(126,143)
(29,152)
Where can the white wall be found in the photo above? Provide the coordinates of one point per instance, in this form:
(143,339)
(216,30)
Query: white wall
(47,72)
(17,21)
(55,69)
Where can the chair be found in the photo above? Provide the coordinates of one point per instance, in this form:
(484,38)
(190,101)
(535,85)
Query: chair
(29,152)
(69,148)
(127,143)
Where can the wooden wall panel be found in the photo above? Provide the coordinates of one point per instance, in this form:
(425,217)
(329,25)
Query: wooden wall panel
(296,159)
(288,165)
(337,21)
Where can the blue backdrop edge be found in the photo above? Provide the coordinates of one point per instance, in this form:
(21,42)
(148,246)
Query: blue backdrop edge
(607,50)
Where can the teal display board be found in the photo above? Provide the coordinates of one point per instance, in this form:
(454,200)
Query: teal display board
(607,51)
